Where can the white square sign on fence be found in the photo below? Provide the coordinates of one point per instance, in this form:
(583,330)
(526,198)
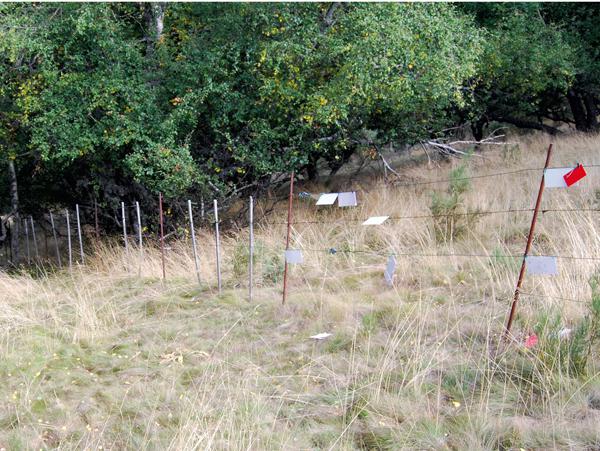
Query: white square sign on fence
(555,177)
(347,199)
(293,256)
(390,269)
(327,199)
(375,220)
(541,265)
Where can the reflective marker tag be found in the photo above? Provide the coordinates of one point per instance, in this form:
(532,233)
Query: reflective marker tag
(555,177)
(327,199)
(375,220)
(390,270)
(541,265)
(347,199)
(293,256)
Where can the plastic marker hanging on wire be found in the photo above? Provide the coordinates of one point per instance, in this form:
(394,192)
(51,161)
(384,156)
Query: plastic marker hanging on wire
(375,220)
(347,199)
(293,256)
(327,199)
(563,177)
(575,175)
(390,269)
(541,265)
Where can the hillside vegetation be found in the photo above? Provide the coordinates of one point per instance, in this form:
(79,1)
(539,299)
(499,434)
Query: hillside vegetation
(106,358)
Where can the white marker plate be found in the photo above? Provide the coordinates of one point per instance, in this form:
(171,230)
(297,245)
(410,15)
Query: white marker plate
(327,199)
(541,265)
(347,199)
(554,178)
(375,220)
(321,336)
(293,256)
(390,269)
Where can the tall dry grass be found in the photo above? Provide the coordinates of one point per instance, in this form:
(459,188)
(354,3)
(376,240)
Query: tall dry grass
(110,357)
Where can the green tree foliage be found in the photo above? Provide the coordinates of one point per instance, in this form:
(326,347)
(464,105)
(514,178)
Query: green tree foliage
(540,65)
(118,101)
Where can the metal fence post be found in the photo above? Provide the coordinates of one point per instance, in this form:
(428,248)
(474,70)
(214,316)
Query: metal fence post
(162,235)
(139,222)
(35,244)
(193,234)
(27,240)
(251,249)
(124,227)
(79,234)
(55,240)
(287,240)
(69,240)
(218,245)
(513,307)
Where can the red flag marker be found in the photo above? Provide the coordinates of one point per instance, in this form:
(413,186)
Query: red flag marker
(531,341)
(575,175)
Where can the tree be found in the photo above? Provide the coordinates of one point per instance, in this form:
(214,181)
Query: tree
(580,23)
(120,101)
(278,86)
(527,69)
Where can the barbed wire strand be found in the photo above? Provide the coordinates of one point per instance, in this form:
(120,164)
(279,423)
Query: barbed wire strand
(441,215)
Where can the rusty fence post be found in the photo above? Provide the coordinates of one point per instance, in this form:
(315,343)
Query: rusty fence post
(538,202)
(251,248)
(218,245)
(287,240)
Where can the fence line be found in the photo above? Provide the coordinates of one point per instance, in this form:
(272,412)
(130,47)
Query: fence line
(330,251)
(560,298)
(441,215)
(396,184)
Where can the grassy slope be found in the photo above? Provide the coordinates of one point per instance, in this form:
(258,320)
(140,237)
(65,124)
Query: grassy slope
(102,359)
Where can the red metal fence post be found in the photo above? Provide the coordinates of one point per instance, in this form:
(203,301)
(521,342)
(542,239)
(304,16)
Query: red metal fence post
(287,240)
(538,202)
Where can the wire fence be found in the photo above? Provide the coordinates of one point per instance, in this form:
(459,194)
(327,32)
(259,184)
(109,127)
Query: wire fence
(71,226)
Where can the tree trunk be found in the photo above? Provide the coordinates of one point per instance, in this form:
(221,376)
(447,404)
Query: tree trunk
(14,204)
(477,129)
(577,110)
(154,14)
(591,110)
(311,170)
